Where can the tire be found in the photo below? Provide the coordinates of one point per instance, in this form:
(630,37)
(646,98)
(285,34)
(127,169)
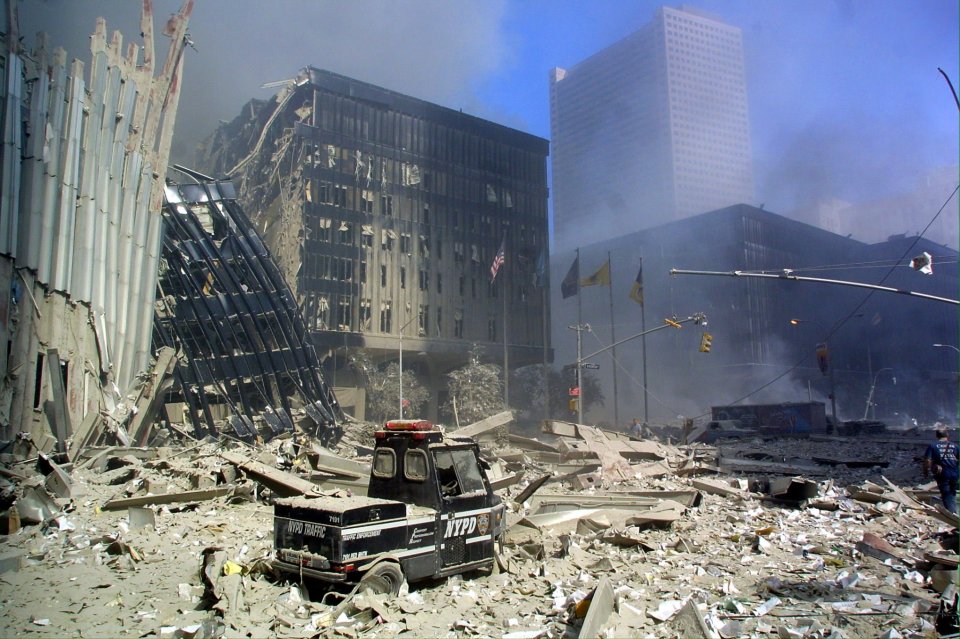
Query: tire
(384,578)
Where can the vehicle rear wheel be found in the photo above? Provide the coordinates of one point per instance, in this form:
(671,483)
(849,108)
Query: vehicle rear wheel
(384,578)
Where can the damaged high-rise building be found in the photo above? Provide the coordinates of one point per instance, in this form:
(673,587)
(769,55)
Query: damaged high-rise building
(385,213)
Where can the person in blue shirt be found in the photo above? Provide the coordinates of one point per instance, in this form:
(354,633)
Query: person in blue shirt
(941,458)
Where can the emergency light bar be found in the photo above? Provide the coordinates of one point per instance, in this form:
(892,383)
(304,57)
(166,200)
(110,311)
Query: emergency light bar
(408,425)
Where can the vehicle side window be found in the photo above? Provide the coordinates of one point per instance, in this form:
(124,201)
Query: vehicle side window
(457,472)
(468,471)
(384,463)
(446,474)
(415,465)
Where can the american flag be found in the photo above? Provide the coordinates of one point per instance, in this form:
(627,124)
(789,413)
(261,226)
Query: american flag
(498,260)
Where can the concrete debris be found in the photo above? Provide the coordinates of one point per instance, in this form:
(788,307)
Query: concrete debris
(176,542)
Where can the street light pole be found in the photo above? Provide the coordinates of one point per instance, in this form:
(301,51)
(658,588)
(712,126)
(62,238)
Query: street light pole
(873,386)
(826,347)
(401,364)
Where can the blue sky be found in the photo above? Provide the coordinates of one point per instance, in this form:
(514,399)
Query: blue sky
(845,97)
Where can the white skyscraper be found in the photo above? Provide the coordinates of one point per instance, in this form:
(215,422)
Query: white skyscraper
(651,129)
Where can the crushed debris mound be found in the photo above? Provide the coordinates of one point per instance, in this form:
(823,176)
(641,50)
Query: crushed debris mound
(608,536)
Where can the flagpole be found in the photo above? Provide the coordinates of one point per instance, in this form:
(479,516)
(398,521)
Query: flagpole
(643,343)
(579,343)
(613,340)
(506,368)
(544,285)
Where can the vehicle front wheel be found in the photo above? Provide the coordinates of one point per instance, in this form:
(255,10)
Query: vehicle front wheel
(384,578)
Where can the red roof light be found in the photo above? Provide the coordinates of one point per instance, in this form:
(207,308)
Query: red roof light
(408,425)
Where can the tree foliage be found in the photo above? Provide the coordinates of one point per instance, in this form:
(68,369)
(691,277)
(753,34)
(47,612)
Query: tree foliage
(527,391)
(476,390)
(382,385)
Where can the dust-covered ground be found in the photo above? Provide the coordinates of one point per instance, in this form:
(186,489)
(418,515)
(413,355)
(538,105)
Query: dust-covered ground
(749,567)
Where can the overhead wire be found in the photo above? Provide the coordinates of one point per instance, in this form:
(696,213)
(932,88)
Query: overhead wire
(838,324)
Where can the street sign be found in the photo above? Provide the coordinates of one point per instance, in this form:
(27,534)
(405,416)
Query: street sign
(575,391)
(592,367)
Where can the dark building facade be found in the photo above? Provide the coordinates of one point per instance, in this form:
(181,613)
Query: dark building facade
(385,213)
(874,339)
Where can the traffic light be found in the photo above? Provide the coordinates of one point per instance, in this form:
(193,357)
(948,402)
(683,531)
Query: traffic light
(823,358)
(572,404)
(705,341)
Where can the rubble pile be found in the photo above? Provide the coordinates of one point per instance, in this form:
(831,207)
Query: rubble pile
(607,536)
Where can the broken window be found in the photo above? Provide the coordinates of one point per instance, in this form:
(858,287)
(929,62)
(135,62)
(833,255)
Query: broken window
(339,195)
(386,205)
(424,279)
(458,323)
(359,166)
(343,269)
(462,281)
(410,174)
(457,472)
(403,277)
(422,319)
(385,317)
(383,275)
(366,201)
(426,214)
(458,251)
(424,246)
(332,155)
(363,271)
(386,239)
(475,253)
(439,249)
(323,229)
(507,200)
(346,234)
(366,236)
(323,310)
(343,313)
(405,243)
(366,307)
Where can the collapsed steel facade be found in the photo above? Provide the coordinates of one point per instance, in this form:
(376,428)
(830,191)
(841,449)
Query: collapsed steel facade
(82,152)
(224,304)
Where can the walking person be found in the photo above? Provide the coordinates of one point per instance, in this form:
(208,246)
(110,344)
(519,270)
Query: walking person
(941,458)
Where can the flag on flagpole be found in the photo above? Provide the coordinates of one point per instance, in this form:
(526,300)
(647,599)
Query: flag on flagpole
(498,260)
(571,282)
(540,274)
(636,291)
(600,278)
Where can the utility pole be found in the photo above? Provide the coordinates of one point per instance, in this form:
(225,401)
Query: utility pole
(696,318)
(580,328)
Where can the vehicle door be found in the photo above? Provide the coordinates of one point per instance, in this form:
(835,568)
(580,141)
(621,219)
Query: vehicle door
(466,524)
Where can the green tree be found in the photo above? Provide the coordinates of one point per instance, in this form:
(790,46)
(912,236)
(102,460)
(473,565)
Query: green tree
(382,385)
(476,390)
